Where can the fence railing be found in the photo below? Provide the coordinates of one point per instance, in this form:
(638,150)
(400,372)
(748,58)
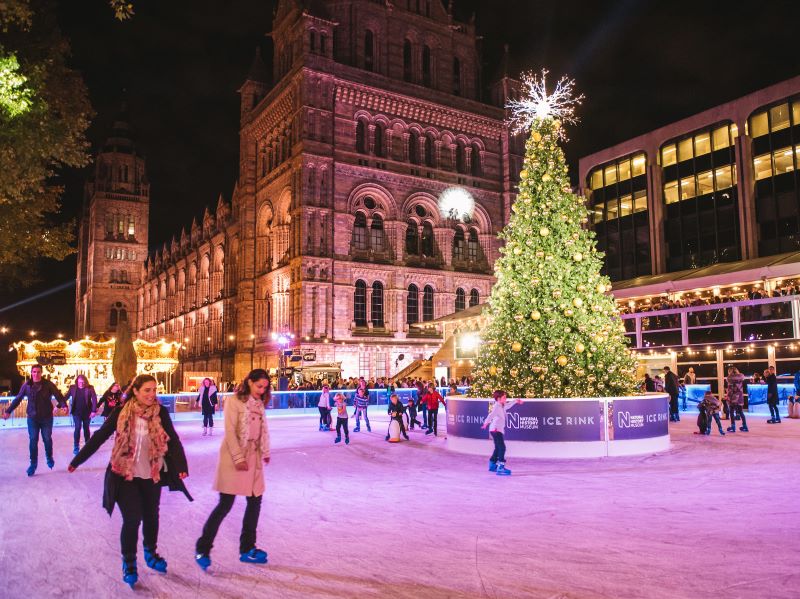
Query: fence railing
(729,322)
(291,402)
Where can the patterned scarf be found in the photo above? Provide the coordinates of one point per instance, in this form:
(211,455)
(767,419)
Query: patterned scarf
(124,452)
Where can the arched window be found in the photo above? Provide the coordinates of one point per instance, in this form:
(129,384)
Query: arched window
(360,232)
(458,245)
(461,157)
(477,169)
(369,51)
(461,300)
(426,66)
(379,141)
(360,304)
(407,73)
(456,77)
(323,43)
(472,245)
(361,137)
(376,304)
(376,233)
(412,305)
(430,158)
(427,304)
(474,298)
(413,148)
(412,239)
(313,41)
(117,314)
(426,243)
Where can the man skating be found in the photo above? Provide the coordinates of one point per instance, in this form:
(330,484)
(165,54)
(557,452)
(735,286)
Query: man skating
(40,393)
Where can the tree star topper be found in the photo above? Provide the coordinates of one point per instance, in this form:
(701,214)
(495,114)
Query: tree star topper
(537,105)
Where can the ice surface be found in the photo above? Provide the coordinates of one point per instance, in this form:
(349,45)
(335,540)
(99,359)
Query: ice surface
(715,516)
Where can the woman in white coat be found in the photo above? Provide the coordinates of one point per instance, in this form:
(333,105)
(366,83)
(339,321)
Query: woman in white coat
(242,456)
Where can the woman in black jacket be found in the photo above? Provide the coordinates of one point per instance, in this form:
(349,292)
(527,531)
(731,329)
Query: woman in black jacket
(111,399)
(147,455)
(207,398)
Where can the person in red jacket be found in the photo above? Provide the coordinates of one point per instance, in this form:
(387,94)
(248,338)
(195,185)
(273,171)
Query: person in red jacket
(433,399)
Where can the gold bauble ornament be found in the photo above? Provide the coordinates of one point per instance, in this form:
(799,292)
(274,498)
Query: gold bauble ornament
(513,372)
(493,370)
(579,348)
(517,251)
(568,312)
(581,287)
(562,361)
(516,346)
(577,302)
(546,178)
(523,174)
(601,288)
(544,231)
(537,137)
(536,315)
(598,339)
(556,293)
(577,257)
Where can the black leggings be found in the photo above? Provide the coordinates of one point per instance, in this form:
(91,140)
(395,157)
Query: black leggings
(81,421)
(138,502)
(324,416)
(208,419)
(433,418)
(774,413)
(247,540)
(341,423)
(499,454)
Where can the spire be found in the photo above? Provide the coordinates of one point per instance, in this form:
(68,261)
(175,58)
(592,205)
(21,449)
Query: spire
(121,136)
(258,70)
(506,60)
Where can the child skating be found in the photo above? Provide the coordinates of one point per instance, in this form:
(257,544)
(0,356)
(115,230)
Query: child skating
(496,421)
(411,414)
(340,402)
(361,402)
(395,409)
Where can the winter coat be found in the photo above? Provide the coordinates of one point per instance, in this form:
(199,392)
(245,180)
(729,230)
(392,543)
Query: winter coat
(208,405)
(736,389)
(88,405)
(649,385)
(710,404)
(396,410)
(497,417)
(109,401)
(40,406)
(236,449)
(433,399)
(671,383)
(174,459)
(772,389)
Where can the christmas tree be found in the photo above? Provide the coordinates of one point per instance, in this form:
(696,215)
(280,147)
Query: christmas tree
(553,330)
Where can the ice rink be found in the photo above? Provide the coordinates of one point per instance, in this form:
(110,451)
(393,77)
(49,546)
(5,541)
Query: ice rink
(714,517)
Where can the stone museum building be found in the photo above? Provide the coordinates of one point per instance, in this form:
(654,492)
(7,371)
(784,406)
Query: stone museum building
(374,177)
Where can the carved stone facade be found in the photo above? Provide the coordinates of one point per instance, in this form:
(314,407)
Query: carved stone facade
(334,232)
(112,238)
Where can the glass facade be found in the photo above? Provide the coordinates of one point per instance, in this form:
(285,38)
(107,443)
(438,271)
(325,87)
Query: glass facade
(775,133)
(618,200)
(701,216)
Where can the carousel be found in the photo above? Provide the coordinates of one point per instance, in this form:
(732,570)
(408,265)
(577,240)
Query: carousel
(63,360)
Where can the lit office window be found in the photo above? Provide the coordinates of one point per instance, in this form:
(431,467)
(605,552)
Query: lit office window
(618,211)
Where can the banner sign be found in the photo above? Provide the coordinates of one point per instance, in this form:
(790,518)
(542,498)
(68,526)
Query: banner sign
(642,418)
(557,420)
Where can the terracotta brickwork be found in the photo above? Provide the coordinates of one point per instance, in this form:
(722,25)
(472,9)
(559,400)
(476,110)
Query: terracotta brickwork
(336,215)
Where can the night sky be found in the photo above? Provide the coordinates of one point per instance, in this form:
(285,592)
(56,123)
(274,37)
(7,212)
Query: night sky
(641,64)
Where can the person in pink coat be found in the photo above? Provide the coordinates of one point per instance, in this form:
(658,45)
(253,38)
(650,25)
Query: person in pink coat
(242,456)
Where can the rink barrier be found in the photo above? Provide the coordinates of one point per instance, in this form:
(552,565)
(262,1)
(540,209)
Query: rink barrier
(565,427)
(288,402)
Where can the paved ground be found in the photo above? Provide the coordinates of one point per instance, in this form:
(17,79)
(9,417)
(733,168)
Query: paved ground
(715,516)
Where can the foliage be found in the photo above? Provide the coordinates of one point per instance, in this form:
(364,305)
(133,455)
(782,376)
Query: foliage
(553,330)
